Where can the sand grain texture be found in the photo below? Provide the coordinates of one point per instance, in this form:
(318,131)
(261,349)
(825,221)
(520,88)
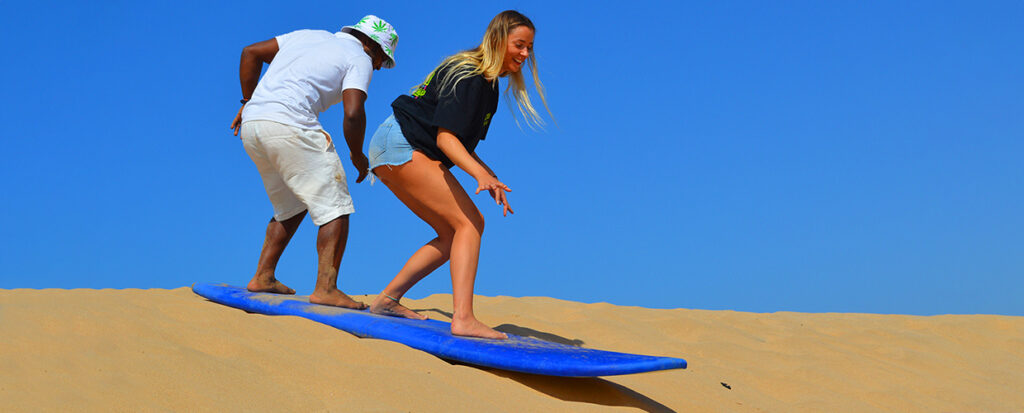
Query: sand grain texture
(144,350)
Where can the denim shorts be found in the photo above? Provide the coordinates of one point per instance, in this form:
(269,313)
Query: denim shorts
(388,146)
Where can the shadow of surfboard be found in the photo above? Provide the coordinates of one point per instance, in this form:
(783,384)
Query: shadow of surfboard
(593,390)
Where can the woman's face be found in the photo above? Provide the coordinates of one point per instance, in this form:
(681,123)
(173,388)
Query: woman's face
(520,44)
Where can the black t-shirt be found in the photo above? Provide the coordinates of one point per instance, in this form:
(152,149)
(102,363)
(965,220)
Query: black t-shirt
(466,111)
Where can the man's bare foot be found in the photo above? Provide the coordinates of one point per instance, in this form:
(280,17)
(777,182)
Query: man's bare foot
(268,285)
(386,306)
(472,327)
(335,298)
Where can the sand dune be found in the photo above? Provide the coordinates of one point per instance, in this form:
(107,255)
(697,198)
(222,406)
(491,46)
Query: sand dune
(132,350)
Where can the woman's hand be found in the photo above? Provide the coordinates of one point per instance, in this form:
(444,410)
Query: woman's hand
(497,190)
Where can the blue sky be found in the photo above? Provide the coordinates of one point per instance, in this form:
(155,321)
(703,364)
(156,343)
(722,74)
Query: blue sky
(752,156)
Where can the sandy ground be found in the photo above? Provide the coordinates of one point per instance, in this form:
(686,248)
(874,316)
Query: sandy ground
(145,350)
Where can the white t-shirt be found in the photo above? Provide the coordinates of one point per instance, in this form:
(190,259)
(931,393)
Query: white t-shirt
(307,76)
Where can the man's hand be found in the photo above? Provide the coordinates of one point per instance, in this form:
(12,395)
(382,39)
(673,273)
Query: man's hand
(237,124)
(361,164)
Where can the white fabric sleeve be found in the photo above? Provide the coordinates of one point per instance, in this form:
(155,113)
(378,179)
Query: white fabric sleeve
(358,75)
(284,38)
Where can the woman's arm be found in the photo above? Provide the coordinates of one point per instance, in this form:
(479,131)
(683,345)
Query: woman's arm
(454,150)
(481,161)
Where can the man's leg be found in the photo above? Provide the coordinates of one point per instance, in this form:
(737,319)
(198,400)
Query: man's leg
(330,246)
(278,235)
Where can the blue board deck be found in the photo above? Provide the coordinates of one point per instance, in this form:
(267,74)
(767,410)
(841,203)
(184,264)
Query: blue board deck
(522,354)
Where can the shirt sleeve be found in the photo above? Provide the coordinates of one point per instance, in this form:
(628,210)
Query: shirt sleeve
(358,75)
(282,40)
(459,110)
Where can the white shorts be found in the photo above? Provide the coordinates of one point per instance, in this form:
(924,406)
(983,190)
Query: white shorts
(300,170)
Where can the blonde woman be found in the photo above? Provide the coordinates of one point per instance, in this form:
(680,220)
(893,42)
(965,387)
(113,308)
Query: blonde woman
(437,127)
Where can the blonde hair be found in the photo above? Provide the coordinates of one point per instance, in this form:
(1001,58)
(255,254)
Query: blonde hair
(487,60)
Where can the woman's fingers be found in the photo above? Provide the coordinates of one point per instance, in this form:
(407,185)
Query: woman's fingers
(497,190)
(504,202)
(492,186)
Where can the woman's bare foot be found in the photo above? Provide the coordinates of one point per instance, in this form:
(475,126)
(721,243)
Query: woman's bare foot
(472,327)
(267,284)
(335,298)
(386,306)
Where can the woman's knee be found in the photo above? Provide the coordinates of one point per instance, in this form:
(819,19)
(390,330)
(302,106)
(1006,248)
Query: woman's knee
(445,236)
(473,222)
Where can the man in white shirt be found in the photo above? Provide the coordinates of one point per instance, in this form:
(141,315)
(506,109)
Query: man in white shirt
(309,71)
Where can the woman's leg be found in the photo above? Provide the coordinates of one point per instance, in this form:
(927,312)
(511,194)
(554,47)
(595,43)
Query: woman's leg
(433,194)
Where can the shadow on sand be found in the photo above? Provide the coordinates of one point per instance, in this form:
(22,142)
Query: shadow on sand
(594,390)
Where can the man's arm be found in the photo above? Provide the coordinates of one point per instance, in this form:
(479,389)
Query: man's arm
(354,127)
(253,58)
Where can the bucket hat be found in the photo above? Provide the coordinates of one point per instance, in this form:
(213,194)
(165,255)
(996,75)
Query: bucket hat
(381,32)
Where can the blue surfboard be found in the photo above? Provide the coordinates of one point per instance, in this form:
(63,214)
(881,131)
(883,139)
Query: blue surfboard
(522,354)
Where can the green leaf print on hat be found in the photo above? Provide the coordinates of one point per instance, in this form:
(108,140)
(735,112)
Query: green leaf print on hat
(379,31)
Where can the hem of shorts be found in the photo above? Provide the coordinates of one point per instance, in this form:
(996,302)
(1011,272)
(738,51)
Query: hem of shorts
(373,176)
(338,213)
(290,214)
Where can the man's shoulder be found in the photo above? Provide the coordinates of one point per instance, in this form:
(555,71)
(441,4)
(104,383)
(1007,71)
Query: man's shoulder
(304,36)
(351,50)
(311,33)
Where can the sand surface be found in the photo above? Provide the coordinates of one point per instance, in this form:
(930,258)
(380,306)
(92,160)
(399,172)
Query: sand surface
(145,350)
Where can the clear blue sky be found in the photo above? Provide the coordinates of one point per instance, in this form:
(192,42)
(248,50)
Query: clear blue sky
(753,156)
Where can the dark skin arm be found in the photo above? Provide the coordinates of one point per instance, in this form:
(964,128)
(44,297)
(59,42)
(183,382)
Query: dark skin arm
(354,127)
(253,58)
